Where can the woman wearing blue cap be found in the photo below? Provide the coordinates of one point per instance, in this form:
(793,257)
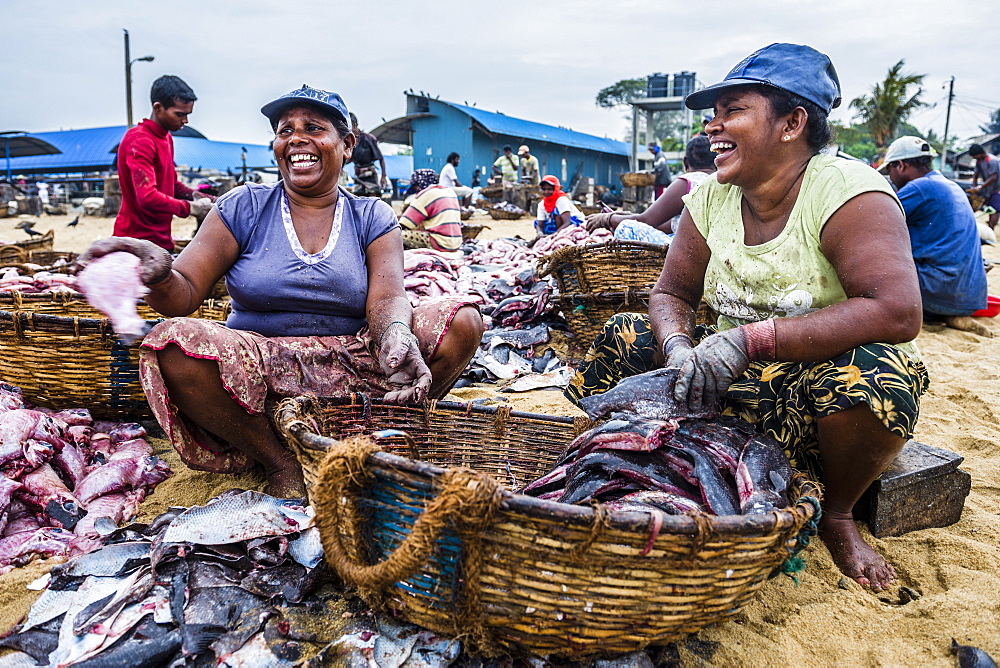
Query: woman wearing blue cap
(805,257)
(316,280)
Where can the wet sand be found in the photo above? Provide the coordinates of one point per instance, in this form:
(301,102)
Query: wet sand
(824,619)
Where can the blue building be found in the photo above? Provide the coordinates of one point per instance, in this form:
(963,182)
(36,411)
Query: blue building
(435,128)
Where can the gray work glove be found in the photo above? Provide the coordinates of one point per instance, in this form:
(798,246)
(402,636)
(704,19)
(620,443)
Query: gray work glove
(200,207)
(401,361)
(154,262)
(710,368)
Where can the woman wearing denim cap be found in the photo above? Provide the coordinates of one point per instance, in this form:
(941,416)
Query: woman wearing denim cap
(806,259)
(316,280)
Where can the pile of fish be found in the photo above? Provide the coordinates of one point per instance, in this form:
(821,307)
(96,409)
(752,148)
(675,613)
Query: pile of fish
(508,207)
(239,581)
(651,453)
(63,476)
(39,281)
(571,235)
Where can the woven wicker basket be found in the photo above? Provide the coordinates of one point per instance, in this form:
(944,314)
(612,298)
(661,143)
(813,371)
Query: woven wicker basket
(608,267)
(511,573)
(472,230)
(499,214)
(17,252)
(587,313)
(976,201)
(61,357)
(465,215)
(589,210)
(637,179)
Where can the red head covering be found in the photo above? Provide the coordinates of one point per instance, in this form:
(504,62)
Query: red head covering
(550,201)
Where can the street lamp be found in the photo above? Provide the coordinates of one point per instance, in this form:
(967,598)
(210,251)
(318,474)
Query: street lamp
(128,76)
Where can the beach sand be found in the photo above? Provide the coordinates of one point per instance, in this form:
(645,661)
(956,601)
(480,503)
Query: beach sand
(824,619)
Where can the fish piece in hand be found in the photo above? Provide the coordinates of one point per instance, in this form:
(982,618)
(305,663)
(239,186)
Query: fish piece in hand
(649,395)
(112,285)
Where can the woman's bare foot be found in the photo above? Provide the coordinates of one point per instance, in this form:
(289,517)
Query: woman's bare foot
(284,479)
(854,557)
(967,323)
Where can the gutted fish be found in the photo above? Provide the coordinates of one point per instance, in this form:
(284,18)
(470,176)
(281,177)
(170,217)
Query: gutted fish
(112,285)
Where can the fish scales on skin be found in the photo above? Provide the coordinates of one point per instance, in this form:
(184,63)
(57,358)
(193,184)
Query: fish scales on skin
(649,395)
(237,518)
(769,473)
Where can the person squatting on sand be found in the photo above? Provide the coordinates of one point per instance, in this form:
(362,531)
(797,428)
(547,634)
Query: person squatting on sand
(316,279)
(805,258)
(944,237)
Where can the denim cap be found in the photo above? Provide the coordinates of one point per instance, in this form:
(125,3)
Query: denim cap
(906,148)
(327,101)
(798,69)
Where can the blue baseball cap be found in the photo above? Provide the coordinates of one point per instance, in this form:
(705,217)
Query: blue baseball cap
(331,102)
(796,68)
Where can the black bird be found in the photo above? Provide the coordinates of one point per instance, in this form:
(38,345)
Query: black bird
(73,222)
(31,232)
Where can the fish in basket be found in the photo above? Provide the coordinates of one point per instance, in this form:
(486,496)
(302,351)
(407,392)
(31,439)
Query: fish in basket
(427,523)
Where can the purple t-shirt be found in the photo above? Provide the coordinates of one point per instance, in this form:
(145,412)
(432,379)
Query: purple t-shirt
(278,289)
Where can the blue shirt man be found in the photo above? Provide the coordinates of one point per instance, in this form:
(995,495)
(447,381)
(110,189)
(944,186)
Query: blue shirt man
(943,235)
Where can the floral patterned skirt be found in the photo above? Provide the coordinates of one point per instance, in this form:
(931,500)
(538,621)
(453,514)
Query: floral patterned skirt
(257,369)
(783,399)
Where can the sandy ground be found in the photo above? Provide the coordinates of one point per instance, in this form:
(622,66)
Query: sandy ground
(823,620)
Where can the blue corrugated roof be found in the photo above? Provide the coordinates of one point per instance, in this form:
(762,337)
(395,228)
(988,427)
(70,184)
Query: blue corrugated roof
(91,150)
(517,127)
(82,150)
(220,155)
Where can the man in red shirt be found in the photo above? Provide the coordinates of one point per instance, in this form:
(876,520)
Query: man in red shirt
(151,193)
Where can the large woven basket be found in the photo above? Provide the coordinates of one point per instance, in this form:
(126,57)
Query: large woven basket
(61,357)
(500,214)
(637,179)
(455,551)
(587,313)
(17,251)
(608,267)
(976,201)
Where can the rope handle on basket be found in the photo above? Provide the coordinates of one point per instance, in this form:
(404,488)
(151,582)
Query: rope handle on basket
(793,563)
(467,500)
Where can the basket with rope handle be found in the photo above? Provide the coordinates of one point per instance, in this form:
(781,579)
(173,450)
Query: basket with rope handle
(19,249)
(424,523)
(609,267)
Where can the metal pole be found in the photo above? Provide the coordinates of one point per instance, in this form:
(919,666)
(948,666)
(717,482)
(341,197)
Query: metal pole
(635,139)
(128,80)
(947,120)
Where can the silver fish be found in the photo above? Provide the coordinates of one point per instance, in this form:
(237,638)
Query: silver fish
(238,517)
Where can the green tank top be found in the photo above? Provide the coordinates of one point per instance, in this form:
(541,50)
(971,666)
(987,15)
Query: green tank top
(789,275)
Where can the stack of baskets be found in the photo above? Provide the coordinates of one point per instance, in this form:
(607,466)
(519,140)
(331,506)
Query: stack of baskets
(15,253)
(455,551)
(63,353)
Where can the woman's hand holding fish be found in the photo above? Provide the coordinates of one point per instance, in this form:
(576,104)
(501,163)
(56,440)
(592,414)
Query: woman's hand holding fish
(710,368)
(399,356)
(154,262)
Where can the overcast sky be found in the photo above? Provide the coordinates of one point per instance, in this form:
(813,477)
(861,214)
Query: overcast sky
(542,60)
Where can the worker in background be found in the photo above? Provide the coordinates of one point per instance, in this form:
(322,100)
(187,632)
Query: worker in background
(987,169)
(506,165)
(529,166)
(366,152)
(661,171)
(449,179)
(151,193)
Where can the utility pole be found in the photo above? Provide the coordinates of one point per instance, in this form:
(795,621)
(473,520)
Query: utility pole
(947,121)
(128,80)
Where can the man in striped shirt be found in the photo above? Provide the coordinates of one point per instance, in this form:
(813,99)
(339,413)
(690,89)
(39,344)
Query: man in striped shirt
(432,217)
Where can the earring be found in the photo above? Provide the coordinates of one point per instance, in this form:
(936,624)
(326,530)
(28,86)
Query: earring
(787,138)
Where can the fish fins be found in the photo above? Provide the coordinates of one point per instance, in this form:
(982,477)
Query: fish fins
(195,638)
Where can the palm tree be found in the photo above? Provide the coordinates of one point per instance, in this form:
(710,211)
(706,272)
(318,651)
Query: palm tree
(889,104)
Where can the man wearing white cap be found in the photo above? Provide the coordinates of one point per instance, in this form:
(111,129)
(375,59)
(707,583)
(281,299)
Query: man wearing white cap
(529,166)
(944,238)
